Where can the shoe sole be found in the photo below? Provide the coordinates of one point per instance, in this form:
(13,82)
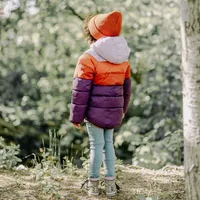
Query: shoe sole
(111,194)
(93,194)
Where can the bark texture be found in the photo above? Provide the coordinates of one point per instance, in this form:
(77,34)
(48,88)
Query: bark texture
(190,34)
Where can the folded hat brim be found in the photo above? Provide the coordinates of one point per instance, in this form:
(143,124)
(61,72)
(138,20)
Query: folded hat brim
(94,31)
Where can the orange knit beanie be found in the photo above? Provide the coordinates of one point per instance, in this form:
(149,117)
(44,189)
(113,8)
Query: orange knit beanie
(102,25)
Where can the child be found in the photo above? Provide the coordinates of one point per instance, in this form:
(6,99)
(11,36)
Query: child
(101,92)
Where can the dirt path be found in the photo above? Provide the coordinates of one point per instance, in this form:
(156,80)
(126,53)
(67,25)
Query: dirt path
(135,183)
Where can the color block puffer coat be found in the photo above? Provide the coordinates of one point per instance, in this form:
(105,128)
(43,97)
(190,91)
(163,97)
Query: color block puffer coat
(102,85)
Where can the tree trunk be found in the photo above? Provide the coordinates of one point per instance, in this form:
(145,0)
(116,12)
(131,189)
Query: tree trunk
(190,35)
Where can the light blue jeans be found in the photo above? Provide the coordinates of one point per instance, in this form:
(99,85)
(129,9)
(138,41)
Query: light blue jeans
(101,149)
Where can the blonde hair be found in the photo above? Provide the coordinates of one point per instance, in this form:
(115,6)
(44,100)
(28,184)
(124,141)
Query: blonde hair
(86,31)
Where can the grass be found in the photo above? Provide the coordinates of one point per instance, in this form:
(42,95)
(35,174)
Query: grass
(136,184)
(49,180)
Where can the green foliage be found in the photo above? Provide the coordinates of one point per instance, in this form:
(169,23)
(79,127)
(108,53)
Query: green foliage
(8,155)
(49,171)
(118,169)
(85,159)
(153,128)
(38,55)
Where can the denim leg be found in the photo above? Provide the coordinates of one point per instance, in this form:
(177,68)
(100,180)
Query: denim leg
(109,154)
(96,138)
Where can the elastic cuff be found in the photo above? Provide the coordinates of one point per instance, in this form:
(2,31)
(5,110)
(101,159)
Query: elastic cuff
(109,178)
(93,179)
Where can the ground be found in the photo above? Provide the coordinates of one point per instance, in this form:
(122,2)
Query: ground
(136,184)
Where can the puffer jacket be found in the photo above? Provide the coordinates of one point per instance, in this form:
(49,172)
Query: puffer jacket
(102,85)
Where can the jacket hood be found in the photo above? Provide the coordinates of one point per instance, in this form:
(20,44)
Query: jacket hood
(112,49)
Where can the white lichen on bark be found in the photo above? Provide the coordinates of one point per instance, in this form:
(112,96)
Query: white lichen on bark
(190,34)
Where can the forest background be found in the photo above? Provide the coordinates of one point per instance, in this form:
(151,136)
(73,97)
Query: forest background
(38,54)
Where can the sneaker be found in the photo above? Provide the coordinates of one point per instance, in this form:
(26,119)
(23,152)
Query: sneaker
(92,187)
(111,187)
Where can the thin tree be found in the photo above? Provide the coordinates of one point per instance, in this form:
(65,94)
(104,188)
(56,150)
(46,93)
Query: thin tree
(190,35)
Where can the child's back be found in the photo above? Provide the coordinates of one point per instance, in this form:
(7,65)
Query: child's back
(101,87)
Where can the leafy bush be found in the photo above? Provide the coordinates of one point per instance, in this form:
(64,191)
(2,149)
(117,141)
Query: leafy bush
(38,57)
(8,155)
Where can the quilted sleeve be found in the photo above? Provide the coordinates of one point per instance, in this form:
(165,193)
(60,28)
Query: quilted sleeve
(127,89)
(81,86)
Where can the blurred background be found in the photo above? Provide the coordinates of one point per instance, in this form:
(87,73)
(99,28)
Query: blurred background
(40,44)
